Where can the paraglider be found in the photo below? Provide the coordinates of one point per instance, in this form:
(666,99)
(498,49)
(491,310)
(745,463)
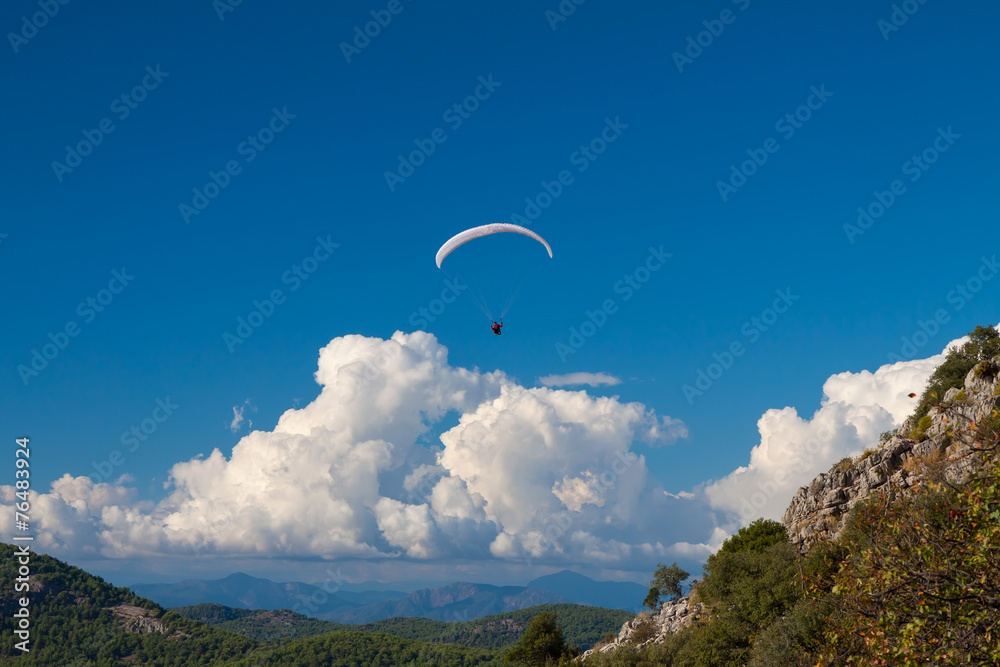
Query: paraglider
(462,238)
(491,277)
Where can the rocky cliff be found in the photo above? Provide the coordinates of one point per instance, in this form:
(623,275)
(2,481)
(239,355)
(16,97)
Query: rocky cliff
(648,628)
(139,620)
(939,445)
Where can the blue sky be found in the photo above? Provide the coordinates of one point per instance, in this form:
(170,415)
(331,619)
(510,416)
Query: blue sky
(868,98)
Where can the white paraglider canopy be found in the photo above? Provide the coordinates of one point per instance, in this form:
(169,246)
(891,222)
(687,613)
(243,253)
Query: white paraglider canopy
(485,230)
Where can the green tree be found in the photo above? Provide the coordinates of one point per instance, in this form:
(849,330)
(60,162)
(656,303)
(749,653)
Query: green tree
(542,643)
(758,536)
(652,599)
(749,584)
(984,344)
(666,581)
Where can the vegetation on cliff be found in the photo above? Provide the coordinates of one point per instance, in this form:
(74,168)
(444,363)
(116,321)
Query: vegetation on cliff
(913,579)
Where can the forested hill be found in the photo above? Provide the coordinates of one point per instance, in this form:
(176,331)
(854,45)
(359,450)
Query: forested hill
(582,626)
(76,618)
(262,624)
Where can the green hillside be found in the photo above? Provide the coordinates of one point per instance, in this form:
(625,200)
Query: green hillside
(361,649)
(263,624)
(582,626)
(78,619)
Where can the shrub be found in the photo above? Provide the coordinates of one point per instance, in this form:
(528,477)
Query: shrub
(790,640)
(724,641)
(623,656)
(844,464)
(988,430)
(754,586)
(930,466)
(653,655)
(694,595)
(919,587)
(758,536)
(644,630)
(541,642)
(987,368)
(865,454)
(920,432)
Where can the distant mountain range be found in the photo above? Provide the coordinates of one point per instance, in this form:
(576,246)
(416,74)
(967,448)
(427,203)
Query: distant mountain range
(454,602)
(237,590)
(584,590)
(582,626)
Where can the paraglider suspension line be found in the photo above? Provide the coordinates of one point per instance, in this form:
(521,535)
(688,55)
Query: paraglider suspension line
(478,297)
(517,290)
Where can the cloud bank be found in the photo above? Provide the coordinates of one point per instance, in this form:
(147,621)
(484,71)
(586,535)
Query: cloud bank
(534,474)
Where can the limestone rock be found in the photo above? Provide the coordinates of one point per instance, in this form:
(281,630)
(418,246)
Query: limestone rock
(135,619)
(648,628)
(819,510)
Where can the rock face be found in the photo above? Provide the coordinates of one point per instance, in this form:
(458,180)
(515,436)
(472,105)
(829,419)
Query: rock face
(648,628)
(136,619)
(821,508)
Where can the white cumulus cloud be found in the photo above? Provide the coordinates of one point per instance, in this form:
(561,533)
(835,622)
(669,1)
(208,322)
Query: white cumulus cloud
(856,409)
(526,473)
(575,492)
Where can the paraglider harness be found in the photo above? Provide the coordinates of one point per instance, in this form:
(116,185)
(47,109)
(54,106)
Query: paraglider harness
(496,327)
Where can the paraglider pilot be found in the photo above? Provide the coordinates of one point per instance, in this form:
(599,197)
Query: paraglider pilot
(496,327)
